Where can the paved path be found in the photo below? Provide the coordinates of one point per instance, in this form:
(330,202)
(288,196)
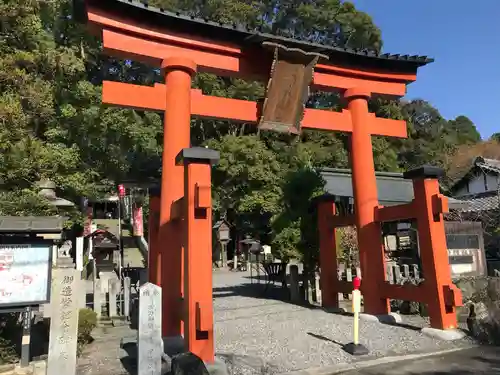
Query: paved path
(481,360)
(257,334)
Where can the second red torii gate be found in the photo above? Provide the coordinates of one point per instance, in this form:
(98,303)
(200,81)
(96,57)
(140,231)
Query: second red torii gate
(181,47)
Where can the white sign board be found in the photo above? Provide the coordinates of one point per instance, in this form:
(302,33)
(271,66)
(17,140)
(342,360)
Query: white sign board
(24,274)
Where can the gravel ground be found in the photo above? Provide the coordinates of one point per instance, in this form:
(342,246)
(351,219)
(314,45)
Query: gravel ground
(259,334)
(268,336)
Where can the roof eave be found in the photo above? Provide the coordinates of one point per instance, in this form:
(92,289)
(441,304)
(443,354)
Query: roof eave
(243,35)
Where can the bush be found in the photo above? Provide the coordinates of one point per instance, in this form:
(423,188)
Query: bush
(10,335)
(8,352)
(87,321)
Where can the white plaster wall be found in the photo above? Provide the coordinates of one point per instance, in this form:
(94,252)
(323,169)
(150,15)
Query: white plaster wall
(492,181)
(476,184)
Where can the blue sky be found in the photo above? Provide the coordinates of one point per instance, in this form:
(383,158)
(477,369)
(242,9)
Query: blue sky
(464,39)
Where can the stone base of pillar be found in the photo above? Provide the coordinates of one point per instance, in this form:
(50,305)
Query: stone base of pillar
(390,318)
(173,345)
(443,334)
(355,349)
(335,310)
(188,363)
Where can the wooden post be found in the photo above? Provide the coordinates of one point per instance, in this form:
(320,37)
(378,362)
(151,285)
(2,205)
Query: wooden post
(433,250)
(294,284)
(197,219)
(327,252)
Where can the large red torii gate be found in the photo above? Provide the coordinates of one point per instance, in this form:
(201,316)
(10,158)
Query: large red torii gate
(182,46)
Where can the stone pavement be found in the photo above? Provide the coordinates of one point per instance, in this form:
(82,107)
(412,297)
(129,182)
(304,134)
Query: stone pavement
(479,360)
(261,334)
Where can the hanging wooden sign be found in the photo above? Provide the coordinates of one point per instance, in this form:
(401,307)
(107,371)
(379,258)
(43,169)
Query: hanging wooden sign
(288,88)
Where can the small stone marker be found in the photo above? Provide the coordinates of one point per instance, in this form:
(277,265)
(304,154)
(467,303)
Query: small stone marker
(97,298)
(79,253)
(113,292)
(126,297)
(149,330)
(64,322)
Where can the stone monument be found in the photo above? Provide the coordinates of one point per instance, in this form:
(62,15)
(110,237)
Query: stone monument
(150,342)
(66,288)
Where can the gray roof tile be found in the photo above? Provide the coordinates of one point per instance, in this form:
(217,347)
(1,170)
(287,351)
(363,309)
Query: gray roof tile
(241,33)
(34,224)
(392,188)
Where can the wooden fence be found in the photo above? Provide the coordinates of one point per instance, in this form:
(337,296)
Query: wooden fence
(395,274)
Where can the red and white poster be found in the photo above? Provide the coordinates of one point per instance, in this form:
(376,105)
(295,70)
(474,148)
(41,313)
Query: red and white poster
(24,272)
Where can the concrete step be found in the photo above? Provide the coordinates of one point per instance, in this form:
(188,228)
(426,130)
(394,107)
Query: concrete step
(133,257)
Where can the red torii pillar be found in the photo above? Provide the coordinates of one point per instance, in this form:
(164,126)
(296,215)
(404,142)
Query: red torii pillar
(154,270)
(196,214)
(327,251)
(364,185)
(366,201)
(178,72)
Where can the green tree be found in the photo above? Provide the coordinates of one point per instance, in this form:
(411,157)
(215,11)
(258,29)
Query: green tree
(432,139)
(53,123)
(247,182)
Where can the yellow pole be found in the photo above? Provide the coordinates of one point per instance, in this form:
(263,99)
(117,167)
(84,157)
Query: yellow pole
(356,306)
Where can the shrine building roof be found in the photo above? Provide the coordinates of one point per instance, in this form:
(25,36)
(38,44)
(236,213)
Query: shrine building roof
(241,35)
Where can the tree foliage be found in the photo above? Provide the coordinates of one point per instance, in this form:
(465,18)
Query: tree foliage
(54,126)
(461,161)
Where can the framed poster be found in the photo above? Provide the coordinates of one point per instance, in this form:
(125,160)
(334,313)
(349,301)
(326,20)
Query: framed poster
(25,273)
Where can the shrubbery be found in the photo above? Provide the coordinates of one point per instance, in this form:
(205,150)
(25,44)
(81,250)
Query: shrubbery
(11,332)
(87,321)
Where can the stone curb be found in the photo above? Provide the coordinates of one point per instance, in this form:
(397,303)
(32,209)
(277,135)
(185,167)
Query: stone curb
(6,368)
(335,369)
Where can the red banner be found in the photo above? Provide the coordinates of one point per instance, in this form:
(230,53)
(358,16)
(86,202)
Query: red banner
(138,223)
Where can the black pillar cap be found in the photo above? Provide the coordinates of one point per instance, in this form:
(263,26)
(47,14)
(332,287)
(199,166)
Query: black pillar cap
(425,171)
(80,11)
(327,197)
(198,155)
(155,191)
(324,198)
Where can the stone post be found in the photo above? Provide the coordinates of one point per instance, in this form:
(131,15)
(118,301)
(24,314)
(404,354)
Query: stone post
(66,288)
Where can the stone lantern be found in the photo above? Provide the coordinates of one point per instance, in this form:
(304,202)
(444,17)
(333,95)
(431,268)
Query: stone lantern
(223,230)
(48,191)
(61,255)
